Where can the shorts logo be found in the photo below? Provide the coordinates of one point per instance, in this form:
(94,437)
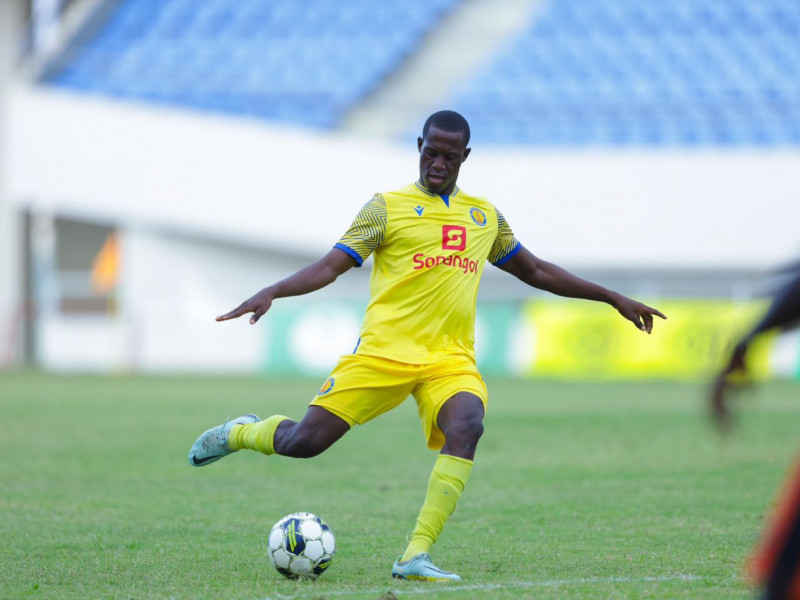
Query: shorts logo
(454,237)
(326,387)
(477,216)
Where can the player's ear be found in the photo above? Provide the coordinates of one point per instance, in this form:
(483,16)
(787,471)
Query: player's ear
(419,144)
(466,154)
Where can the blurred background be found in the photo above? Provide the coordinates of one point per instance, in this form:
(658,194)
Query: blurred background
(162,160)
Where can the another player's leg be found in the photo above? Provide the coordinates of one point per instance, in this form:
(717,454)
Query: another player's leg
(461,421)
(316,432)
(775,566)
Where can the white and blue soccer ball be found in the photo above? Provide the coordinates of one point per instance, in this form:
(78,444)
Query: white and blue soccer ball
(301,546)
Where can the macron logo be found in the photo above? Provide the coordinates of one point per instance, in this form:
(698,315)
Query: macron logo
(418,210)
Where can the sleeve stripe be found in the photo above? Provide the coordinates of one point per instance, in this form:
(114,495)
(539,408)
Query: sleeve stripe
(374,217)
(505,244)
(508,256)
(355,255)
(368,229)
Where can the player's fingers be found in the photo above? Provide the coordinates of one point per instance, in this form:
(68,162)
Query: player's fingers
(657,312)
(648,322)
(653,311)
(634,318)
(258,313)
(718,402)
(235,313)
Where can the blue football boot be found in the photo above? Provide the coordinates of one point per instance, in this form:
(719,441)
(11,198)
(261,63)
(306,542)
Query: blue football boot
(213,444)
(421,568)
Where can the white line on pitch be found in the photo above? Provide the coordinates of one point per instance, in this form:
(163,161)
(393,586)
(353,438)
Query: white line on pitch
(426,589)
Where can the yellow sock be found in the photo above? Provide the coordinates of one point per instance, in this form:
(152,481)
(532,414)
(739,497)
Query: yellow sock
(449,476)
(256,436)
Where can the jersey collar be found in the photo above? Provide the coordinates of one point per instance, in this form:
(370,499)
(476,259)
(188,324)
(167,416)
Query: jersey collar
(445,198)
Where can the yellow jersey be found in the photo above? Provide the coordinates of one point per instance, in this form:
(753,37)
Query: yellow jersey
(429,253)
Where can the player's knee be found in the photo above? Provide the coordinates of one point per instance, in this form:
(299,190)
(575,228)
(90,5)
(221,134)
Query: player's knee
(465,432)
(474,429)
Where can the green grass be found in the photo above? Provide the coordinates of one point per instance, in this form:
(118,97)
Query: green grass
(579,491)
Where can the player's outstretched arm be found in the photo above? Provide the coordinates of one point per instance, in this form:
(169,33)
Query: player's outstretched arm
(546,276)
(308,279)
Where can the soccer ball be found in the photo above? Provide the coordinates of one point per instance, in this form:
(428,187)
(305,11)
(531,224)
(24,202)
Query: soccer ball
(301,546)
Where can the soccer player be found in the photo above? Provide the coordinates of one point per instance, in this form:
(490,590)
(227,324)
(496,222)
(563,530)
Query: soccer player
(430,240)
(775,565)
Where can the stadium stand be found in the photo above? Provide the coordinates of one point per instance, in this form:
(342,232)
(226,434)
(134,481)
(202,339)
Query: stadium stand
(301,62)
(644,73)
(583,73)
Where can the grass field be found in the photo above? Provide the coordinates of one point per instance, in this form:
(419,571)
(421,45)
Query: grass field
(579,491)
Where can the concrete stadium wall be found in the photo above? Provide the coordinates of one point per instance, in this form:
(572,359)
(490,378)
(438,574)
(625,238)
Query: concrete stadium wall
(11,293)
(280,188)
(211,209)
(171,288)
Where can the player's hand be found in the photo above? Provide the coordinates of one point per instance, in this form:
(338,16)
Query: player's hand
(637,313)
(721,390)
(258,305)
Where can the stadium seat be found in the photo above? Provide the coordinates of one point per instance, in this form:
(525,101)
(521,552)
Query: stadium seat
(645,73)
(305,63)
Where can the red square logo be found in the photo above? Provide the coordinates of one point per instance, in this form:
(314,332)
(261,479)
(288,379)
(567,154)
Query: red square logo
(454,237)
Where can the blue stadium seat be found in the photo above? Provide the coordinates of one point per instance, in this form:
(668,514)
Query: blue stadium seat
(644,73)
(303,62)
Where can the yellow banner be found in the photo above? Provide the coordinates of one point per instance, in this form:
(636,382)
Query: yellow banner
(586,340)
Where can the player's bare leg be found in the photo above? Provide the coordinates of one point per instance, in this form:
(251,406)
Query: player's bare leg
(315,433)
(461,421)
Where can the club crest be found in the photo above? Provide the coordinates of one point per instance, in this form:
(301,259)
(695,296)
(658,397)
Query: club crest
(477,216)
(326,387)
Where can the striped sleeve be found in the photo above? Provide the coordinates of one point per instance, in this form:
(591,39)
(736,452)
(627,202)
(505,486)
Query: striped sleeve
(367,231)
(505,244)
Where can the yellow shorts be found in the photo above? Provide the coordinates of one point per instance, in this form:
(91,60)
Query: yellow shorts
(364,387)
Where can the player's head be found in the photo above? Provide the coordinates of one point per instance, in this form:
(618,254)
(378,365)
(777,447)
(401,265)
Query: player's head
(442,149)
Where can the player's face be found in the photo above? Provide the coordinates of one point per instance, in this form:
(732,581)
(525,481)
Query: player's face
(440,156)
